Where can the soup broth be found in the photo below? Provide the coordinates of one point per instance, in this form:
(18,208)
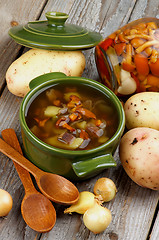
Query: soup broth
(72,117)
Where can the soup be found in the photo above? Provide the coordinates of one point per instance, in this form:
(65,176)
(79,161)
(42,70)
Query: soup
(72,117)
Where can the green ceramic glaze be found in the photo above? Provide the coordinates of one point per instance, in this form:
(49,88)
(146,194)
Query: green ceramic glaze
(54,34)
(74,165)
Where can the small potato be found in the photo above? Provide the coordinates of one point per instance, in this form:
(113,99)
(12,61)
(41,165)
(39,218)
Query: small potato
(36,62)
(139,155)
(142,110)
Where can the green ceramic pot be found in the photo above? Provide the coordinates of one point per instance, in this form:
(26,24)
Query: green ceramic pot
(74,165)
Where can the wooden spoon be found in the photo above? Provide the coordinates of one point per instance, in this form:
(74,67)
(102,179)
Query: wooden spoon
(53,186)
(37,210)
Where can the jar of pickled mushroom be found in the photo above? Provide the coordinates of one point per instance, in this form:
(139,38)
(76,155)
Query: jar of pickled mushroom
(128,59)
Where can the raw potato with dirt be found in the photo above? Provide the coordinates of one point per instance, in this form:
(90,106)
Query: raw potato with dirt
(142,110)
(36,62)
(139,156)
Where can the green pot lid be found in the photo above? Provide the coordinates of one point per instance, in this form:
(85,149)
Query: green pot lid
(54,33)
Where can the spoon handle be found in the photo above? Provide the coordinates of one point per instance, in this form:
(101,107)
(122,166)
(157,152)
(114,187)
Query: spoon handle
(18,158)
(10,137)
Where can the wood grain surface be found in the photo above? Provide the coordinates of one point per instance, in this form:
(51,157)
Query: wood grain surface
(135,209)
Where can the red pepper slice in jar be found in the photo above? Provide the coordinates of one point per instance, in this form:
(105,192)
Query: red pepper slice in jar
(101,67)
(106,43)
(100,59)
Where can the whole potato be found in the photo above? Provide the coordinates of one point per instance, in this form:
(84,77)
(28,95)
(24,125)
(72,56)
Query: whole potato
(139,155)
(36,62)
(142,110)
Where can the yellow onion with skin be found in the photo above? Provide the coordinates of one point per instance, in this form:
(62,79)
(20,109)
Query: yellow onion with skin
(97,218)
(86,201)
(6,203)
(106,188)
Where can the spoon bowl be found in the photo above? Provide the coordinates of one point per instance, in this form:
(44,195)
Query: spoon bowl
(55,187)
(63,190)
(37,210)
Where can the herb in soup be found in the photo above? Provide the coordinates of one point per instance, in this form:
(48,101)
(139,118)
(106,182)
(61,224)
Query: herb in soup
(72,117)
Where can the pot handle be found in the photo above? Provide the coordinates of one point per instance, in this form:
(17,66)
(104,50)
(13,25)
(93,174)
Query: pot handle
(87,167)
(44,78)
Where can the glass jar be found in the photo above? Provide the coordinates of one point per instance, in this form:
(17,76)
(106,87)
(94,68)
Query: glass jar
(128,59)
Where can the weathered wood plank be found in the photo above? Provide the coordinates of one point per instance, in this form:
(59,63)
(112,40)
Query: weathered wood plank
(145,9)
(14,12)
(19,12)
(155,233)
(134,207)
(13,226)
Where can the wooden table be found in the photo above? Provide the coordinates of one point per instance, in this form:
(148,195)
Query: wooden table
(135,209)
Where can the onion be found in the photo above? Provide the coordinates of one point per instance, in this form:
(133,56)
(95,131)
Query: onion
(6,203)
(97,218)
(106,188)
(86,201)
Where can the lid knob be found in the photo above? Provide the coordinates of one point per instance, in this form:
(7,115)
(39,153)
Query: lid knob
(56,18)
